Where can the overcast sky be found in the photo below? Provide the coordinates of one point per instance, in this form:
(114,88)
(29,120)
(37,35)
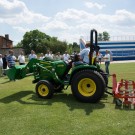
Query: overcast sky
(66,19)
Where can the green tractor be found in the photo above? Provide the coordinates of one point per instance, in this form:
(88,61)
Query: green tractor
(88,81)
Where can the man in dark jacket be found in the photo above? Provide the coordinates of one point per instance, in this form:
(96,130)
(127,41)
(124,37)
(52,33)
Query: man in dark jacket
(4,63)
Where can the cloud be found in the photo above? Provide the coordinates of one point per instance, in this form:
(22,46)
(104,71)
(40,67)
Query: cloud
(16,12)
(80,22)
(94,5)
(68,24)
(55,25)
(21,29)
(75,17)
(124,18)
(11,8)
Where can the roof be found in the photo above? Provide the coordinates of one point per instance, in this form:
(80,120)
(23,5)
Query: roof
(6,38)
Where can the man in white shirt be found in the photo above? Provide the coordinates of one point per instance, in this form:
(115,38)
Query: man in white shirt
(107,61)
(49,55)
(32,55)
(66,56)
(41,56)
(21,58)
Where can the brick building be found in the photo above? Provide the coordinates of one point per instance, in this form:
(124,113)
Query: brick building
(6,44)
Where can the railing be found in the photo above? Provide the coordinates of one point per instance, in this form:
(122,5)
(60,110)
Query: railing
(115,38)
(122,38)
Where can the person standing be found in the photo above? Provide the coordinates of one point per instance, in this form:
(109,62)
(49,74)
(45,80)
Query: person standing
(49,55)
(11,59)
(107,61)
(84,54)
(58,56)
(21,58)
(32,55)
(66,56)
(1,65)
(100,57)
(4,64)
(41,56)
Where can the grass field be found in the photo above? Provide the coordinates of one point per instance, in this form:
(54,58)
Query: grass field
(23,113)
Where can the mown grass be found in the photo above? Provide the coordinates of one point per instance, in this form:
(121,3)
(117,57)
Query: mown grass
(23,113)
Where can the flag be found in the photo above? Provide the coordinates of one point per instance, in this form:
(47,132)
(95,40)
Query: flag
(82,44)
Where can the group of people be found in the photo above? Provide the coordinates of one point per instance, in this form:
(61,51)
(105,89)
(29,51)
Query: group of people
(8,61)
(50,55)
(84,56)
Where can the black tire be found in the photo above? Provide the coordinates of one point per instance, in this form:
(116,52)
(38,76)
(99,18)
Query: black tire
(88,86)
(44,89)
(103,73)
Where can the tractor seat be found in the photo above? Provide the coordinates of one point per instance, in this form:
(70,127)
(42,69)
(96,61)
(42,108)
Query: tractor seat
(68,67)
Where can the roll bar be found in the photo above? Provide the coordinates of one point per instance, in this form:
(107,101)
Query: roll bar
(93,45)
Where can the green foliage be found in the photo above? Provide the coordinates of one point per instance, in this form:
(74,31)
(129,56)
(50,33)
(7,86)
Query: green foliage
(106,36)
(33,41)
(57,46)
(19,45)
(100,37)
(70,48)
(76,47)
(40,42)
(103,36)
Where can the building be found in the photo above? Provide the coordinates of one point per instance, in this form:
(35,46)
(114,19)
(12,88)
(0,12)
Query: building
(5,44)
(120,50)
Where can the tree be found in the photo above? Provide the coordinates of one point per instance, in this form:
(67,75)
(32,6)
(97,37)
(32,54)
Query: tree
(100,37)
(103,36)
(106,36)
(70,48)
(19,45)
(76,47)
(33,40)
(40,42)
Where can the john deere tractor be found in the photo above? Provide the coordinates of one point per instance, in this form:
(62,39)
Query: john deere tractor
(88,81)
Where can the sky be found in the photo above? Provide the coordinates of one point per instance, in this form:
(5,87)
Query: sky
(66,19)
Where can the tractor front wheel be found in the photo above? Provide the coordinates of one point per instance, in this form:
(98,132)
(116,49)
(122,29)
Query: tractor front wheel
(88,86)
(44,89)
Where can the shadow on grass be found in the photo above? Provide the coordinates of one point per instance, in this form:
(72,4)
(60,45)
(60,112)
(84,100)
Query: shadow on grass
(5,80)
(16,97)
(67,99)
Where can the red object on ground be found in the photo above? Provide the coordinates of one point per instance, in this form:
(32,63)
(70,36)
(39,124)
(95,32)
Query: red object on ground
(125,90)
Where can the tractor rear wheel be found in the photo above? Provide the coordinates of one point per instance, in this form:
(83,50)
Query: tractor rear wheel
(44,89)
(88,86)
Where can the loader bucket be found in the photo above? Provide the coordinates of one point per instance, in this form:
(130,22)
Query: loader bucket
(17,72)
